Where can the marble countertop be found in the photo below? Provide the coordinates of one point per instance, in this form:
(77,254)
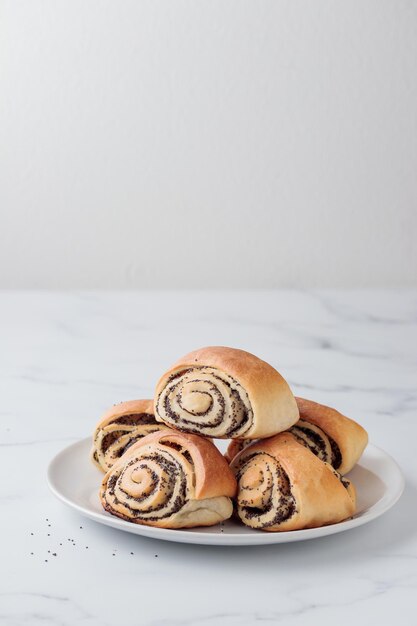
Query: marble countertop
(66,357)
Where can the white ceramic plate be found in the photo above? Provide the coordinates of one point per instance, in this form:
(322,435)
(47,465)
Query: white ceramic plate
(74,480)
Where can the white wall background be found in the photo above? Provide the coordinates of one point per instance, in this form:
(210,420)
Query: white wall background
(203,143)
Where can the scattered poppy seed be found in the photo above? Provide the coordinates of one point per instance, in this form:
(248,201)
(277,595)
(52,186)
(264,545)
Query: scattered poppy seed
(49,534)
(131,553)
(53,553)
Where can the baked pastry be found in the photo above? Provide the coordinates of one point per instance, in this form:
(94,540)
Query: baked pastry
(225,393)
(236,446)
(170,480)
(119,428)
(332,437)
(283,486)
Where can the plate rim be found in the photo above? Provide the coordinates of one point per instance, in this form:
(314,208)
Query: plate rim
(253,537)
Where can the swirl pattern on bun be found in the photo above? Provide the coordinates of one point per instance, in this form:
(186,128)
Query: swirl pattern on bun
(170,480)
(283,486)
(225,393)
(121,427)
(331,436)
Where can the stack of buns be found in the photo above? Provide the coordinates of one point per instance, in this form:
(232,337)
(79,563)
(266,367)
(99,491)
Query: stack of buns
(284,468)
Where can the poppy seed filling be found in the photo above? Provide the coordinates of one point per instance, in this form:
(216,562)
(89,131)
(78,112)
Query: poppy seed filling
(162,472)
(204,400)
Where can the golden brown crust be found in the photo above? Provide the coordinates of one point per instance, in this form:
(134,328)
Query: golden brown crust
(129,407)
(350,436)
(236,446)
(272,402)
(320,496)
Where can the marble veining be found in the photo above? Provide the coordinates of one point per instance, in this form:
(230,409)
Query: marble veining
(66,357)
